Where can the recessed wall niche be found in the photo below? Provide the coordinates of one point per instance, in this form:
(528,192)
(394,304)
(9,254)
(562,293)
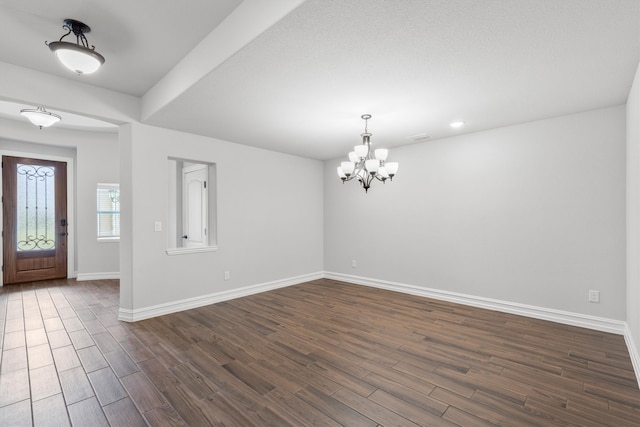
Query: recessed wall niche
(192,225)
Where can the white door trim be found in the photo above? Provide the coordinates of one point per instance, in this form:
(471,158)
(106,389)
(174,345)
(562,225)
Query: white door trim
(71,229)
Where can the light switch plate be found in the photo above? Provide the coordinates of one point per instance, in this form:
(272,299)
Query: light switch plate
(157,226)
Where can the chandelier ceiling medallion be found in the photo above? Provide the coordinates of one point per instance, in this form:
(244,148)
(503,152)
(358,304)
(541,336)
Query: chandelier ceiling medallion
(40,117)
(78,56)
(366,164)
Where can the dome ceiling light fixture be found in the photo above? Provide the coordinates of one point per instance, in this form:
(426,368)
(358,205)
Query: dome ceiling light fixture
(366,164)
(40,117)
(78,57)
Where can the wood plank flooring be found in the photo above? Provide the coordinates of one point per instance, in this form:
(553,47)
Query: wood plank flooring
(322,353)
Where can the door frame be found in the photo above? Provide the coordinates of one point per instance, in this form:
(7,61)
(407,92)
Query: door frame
(71,229)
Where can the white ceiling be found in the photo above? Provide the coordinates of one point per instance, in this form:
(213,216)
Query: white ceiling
(141,40)
(301,85)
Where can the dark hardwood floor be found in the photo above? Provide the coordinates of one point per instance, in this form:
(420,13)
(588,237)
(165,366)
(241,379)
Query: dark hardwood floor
(321,353)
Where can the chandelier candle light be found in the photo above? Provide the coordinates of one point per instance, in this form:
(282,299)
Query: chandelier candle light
(366,164)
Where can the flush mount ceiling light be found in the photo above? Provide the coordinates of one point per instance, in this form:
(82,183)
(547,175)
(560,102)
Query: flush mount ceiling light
(457,124)
(365,164)
(78,57)
(40,117)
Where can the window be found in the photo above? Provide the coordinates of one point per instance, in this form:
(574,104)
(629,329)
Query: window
(108,209)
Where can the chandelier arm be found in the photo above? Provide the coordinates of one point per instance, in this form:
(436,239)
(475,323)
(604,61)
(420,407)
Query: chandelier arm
(369,179)
(68,32)
(85,42)
(367,183)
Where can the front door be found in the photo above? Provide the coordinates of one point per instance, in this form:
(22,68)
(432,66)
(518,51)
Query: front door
(34,194)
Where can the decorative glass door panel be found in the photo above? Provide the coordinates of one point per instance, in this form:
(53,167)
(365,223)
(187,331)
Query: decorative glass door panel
(34,219)
(36,208)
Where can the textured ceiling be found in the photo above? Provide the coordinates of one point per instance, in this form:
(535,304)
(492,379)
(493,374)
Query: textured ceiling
(416,65)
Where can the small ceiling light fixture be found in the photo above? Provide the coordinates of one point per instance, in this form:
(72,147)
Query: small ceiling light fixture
(457,124)
(365,164)
(78,57)
(40,117)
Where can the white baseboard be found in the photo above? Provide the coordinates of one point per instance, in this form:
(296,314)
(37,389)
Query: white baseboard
(97,276)
(189,303)
(565,317)
(633,352)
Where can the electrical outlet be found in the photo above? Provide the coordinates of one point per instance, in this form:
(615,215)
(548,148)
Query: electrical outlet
(354,264)
(594,296)
(227,275)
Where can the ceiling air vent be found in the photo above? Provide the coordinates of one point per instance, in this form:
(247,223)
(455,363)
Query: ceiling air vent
(419,137)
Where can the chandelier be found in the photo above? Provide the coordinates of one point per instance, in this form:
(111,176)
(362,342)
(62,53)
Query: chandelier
(40,117)
(78,56)
(366,164)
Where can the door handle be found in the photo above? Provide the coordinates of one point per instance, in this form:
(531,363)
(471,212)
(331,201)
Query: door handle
(63,234)
(185,237)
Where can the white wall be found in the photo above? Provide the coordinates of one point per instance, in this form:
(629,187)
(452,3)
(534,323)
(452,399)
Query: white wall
(269,218)
(96,160)
(529,214)
(633,214)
